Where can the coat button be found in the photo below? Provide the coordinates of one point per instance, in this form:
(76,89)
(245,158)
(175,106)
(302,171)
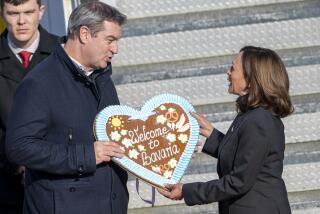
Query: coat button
(72,189)
(81,169)
(114,196)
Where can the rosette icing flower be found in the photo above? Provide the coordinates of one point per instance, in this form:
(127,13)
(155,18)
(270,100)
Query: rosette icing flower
(115,136)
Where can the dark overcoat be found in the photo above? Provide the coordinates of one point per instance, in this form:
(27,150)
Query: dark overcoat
(50,131)
(250,164)
(11,74)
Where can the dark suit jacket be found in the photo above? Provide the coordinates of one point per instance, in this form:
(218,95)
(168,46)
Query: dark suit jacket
(11,73)
(52,135)
(250,164)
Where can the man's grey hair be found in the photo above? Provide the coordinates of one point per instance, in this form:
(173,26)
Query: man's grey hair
(92,15)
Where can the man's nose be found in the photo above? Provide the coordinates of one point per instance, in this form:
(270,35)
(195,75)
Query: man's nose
(22,19)
(114,47)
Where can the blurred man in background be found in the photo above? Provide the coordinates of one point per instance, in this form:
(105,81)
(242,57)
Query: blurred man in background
(23,44)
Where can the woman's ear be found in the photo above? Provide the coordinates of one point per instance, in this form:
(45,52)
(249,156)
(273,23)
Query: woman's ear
(245,91)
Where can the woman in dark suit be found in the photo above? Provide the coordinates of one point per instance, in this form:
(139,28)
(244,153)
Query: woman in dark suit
(250,155)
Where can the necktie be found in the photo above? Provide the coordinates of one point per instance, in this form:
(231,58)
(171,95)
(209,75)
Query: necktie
(25,56)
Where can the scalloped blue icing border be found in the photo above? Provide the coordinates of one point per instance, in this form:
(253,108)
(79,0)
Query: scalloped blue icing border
(151,104)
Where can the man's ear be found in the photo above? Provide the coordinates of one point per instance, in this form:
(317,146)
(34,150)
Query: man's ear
(42,10)
(84,34)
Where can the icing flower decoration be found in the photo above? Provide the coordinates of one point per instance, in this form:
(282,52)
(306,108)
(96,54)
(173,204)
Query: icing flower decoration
(127,142)
(167,174)
(183,138)
(162,107)
(115,136)
(123,132)
(133,154)
(171,137)
(141,148)
(172,163)
(161,119)
(171,110)
(156,168)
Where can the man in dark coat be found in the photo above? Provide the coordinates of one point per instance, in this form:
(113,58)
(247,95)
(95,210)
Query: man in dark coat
(50,126)
(22,35)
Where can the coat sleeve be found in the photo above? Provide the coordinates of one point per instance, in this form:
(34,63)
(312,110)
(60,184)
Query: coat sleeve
(9,167)
(212,143)
(26,142)
(250,155)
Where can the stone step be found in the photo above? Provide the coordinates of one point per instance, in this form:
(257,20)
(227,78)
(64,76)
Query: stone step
(196,16)
(219,112)
(212,89)
(204,66)
(298,178)
(305,202)
(310,205)
(307,211)
(298,127)
(150,8)
(216,42)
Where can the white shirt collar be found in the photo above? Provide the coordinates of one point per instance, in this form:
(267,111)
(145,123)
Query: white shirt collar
(79,65)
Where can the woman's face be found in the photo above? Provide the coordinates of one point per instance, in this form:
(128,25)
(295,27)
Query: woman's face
(238,84)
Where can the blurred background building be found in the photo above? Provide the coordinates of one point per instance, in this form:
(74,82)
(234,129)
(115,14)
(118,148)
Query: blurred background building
(1,25)
(185,47)
(55,19)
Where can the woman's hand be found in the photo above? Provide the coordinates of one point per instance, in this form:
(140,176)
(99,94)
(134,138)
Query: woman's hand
(174,191)
(206,127)
(197,149)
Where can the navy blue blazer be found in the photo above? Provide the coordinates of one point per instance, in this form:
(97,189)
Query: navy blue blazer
(250,164)
(11,74)
(50,131)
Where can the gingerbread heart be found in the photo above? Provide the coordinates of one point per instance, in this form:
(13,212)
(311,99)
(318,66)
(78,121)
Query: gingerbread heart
(158,141)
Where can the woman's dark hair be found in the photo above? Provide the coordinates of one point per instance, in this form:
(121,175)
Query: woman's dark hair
(268,82)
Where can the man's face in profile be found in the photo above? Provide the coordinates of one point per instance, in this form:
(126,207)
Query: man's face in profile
(102,46)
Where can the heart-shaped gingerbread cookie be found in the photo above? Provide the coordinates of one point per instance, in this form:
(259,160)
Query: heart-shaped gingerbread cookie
(158,141)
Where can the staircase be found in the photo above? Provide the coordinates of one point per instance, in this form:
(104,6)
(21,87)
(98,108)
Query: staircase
(185,46)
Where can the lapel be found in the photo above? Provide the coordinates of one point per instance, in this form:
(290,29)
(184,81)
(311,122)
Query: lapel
(46,45)
(231,131)
(12,69)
